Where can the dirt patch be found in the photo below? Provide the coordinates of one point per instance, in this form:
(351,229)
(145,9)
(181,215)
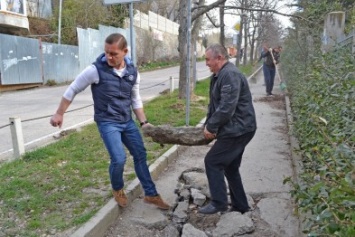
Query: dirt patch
(41,27)
(281,129)
(275,101)
(178,106)
(203,222)
(278,114)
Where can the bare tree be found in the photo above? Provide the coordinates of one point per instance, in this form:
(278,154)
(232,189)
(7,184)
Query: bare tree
(244,9)
(221,17)
(164,8)
(197,12)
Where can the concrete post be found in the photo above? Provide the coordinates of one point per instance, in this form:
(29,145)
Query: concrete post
(333,30)
(17,136)
(171,84)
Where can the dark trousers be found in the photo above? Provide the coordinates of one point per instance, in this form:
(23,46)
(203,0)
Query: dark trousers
(269,77)
(223,159)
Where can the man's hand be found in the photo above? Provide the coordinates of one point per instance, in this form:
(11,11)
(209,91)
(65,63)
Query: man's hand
(208,135)
(146,125)
(56,120)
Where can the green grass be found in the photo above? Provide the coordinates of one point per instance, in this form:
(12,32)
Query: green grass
(162,64)
(62,185)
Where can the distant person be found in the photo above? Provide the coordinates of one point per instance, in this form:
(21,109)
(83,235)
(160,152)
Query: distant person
(231,120)
(114,84)
(261,58)
(241,54)
(269,66)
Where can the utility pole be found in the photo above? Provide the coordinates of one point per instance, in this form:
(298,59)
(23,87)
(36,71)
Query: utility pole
(60,22)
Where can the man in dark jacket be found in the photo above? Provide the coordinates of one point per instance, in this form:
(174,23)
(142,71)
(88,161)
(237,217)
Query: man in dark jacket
(114,84)
(231,120)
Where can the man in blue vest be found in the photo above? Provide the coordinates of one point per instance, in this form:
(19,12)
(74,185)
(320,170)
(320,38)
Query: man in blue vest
(114,84)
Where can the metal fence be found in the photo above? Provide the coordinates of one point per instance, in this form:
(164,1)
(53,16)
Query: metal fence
(23,61)
(60,62)
(91,42)
(20,60)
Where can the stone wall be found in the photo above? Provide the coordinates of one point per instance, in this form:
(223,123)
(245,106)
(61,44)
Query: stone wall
(156,38)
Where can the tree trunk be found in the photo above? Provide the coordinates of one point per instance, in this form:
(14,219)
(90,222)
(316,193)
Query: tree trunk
(194,38)
(182,38)
(245,51)
(252,45)
(239,40)
(221,17)
(182,48)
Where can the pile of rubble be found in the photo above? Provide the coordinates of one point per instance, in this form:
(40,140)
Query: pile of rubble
(193,193)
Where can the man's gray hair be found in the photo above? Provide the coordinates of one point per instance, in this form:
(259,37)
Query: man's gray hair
(218,49)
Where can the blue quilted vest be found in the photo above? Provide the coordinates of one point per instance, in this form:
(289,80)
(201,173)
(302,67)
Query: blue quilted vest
(112,95)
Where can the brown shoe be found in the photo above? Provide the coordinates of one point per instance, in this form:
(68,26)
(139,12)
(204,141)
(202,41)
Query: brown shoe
(120,197)
(158,201)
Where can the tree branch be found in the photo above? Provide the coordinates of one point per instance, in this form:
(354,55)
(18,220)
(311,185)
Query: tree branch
(204,9)
(211,20)
(265,10)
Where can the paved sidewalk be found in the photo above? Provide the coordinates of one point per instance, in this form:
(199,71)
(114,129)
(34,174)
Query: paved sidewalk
(266,162)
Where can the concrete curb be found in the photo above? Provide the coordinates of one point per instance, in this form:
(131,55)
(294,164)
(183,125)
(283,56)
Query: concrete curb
(108,214)
(295,158)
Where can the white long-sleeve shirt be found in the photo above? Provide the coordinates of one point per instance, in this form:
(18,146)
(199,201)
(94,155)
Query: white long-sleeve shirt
(90,75)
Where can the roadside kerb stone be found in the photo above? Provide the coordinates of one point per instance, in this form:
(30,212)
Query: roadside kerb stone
(107,215)
(295,157)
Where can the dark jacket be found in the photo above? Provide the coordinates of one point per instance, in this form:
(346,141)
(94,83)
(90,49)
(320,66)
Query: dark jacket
(112,95)
(268,58)
(230,111)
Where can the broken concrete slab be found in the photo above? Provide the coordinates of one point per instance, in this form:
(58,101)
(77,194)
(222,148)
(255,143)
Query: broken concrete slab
(148,216)
(278,214)
(190,231)
(233,224)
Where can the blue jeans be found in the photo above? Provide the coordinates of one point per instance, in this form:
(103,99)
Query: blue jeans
(269,77)
(223,160)
(115,135)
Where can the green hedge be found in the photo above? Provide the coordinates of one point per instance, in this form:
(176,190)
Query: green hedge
(322,92)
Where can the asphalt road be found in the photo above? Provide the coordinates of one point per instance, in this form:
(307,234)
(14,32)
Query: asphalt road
(35,106)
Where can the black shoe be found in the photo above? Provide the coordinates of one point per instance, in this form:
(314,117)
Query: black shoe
(210,209)
(237,210)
